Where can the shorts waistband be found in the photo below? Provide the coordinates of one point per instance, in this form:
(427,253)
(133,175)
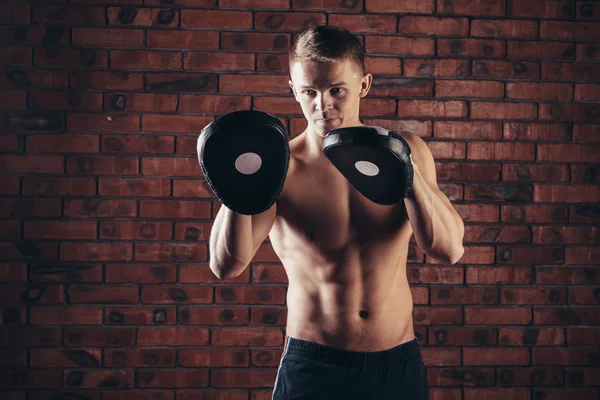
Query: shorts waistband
(354,359)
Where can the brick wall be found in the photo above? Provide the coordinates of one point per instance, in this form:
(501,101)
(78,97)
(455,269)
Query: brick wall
(104,216)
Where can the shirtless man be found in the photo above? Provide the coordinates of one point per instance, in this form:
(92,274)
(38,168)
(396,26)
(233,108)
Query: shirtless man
(349,331)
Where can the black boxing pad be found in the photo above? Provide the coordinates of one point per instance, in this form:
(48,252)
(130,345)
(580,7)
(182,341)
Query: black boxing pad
(375,161)
(245,157)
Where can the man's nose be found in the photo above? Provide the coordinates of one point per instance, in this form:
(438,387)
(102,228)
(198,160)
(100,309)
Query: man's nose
(324,102)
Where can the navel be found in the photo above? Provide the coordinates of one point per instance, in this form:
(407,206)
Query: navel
(364,314)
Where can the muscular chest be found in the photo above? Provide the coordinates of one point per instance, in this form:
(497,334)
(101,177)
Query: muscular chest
(319,204)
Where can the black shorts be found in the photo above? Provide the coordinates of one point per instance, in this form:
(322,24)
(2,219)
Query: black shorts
(313,371)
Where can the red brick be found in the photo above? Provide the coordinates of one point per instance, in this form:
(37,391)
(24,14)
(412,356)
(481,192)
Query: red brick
(15,56)
(35,78)
(534,214)
(180,336)
(501,151)
(469,7)
(372,107)
(444,149)
(180,166)
(470,89)
(255,41)
(505,192)
(296,21)
(541,50)
(142,59)
(216,19)
(22,207)
(570,111)
(63,316)
(586,133)
(103,122)
(433,26)
(498,110)
(213,357)
(174,209)
(46,358)
(539,91)
(585,31)
(33,186)
(587,92)
(140,358)
(138,144)
(449,171)
(383,65)
(207,61)
(113,165)
(167,294)
(433,67)
(100,208)
(54,100)
(365,23)
(245,4)
(505,69)
(135,230)
(432,108)
(566,234)
(174,123)
(584,174)
(106,80)
(192,188)
(13,99)
(504,28)
(470,47)
(277,105)
(96,251)
(180,82)
(183,39)
(397,45)
(96,337)
(273,63)
(14,13)
(108,37)
(535,172)
(140,102)
(240,84)
(134,187)
(9,229)
(26,36)
(397,6)
(213,104)
(568,152)
(186,145)
(61,143)
(60,230)
(571,71)
(537,8)
(160,378)
(143,16)
(588,51)
(401,87)
(171,252)
(12,143)
(567,193)
(251,378)
(68,14)
(468,130)
(537,131)
(193,231)
(498,316)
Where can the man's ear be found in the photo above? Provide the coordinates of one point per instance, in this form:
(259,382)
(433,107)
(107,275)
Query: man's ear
(365,84)
(293,89)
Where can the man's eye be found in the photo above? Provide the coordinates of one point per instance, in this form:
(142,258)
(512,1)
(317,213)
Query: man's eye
(337,90)
(309,92)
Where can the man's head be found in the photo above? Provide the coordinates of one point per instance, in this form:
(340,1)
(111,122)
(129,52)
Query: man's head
(328,77)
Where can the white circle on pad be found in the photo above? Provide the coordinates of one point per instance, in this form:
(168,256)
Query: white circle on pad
(367,168)
(248,163)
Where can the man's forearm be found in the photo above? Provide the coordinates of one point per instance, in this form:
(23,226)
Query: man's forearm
(438,229)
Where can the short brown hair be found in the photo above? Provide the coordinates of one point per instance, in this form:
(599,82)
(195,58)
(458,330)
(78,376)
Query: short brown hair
(327,44)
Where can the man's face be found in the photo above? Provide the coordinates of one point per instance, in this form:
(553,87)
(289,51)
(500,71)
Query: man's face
(329,93)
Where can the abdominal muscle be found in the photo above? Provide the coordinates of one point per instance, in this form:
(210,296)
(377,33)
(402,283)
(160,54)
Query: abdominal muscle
(357,300)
